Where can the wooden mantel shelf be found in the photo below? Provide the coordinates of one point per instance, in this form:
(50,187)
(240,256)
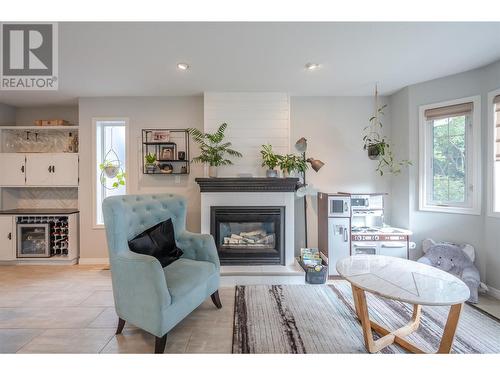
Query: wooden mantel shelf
(247,184)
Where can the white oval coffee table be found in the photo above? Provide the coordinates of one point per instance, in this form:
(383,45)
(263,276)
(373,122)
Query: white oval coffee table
(406,281)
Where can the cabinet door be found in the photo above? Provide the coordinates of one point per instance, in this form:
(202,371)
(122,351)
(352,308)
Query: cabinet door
(39,169)
(52,169)
(394,249)
(339,241)
(65,170)
(7,251)
(13,169)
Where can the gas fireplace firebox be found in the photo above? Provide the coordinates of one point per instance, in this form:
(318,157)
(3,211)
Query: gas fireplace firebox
(249,235)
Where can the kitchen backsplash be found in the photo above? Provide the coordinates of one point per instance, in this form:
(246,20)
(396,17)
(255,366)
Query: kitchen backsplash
(39,197)
(43,141)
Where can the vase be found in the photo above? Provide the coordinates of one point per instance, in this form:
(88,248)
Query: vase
(373,152)
(286,174)
(212,171)
(150,167)
(271,173)
(111,171)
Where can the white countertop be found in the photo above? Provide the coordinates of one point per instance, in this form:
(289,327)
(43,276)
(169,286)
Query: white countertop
(403,280)
(387,230)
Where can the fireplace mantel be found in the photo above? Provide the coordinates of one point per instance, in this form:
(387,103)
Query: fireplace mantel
(247,184)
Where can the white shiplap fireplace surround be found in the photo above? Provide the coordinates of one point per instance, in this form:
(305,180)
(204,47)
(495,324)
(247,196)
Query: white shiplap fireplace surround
(253,119)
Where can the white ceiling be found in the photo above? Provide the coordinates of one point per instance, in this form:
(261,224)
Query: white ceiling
(139,59)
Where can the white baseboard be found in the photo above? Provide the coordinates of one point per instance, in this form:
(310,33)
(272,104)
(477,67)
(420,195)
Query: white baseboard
(91,261)
(495,293)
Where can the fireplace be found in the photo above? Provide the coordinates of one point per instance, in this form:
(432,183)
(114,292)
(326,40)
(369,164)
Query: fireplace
(249,235)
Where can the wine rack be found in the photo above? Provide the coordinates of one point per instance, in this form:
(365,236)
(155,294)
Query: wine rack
(58,231)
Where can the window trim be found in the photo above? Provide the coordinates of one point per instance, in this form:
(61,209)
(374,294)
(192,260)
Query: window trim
(95,225)
(491,154)
(475,178)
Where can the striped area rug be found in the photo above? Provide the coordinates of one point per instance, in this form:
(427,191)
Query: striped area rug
(321,319)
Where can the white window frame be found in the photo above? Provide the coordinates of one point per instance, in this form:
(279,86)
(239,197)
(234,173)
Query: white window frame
(491,154)
(95,225)
(473,166)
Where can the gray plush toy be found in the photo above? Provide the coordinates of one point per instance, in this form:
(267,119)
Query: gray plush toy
(455,259)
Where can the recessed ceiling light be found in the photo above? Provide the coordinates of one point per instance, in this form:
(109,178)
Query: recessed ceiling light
(182,66)
(312,66)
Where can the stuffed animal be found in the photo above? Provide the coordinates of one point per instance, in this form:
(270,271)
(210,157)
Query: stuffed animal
(455,259)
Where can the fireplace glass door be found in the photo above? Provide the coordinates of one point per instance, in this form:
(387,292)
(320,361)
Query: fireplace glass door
(249,235)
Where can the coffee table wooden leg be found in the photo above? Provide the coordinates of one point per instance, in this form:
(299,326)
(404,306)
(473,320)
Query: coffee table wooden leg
(388,337)
(450,328)
(355,299)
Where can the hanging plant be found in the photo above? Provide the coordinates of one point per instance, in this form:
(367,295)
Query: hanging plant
(378,146)
(112,174)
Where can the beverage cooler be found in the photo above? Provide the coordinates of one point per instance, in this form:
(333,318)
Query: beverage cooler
(42,236)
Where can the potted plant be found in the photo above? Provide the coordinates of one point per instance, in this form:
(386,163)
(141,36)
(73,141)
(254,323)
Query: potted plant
(116,175)
(270,160)
(378,146)
(150,162)
(213,150)
(110,168)
(290,163)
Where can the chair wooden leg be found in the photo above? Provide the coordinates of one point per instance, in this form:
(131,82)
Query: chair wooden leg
(160,343)
(121,324)
(216,299)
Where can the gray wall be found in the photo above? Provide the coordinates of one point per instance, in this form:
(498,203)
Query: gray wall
(28,115)
(333,127)
(142,112)
(7,114)
(479,230)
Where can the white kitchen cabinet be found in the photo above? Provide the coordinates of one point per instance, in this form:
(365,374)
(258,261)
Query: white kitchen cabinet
(7,238)
(13,169)
(43,169)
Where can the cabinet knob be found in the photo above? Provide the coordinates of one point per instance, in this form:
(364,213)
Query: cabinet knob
(9,236)
(22,169)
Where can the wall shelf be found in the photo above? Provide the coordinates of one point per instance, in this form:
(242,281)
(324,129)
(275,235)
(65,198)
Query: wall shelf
(35,127)
(166,144)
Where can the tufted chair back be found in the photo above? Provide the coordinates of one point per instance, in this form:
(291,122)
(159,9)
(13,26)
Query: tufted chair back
(128,215)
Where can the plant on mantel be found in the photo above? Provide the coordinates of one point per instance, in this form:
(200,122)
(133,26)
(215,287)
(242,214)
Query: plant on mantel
(270,160)
(378,146)
(290,163)
(213,150)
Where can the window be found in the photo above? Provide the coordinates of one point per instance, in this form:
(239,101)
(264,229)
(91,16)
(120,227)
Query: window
(494,153)
(110,134)
(450,157)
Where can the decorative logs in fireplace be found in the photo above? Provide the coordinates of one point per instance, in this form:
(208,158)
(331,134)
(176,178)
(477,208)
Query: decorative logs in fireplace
(249,235)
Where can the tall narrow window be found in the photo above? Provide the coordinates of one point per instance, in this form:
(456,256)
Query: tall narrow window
(449,167)
(496,156)
(110,138)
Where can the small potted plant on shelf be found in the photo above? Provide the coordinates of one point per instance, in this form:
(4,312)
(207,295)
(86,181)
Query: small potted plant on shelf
(150,162)
(213,150)
(270,160)
(290,163)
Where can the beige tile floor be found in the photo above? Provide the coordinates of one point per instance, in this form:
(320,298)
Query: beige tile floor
(69,309)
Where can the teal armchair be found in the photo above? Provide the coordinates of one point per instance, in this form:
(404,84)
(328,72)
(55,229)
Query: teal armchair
(146,295)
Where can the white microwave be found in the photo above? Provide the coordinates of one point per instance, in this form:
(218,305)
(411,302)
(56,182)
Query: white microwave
(339,206)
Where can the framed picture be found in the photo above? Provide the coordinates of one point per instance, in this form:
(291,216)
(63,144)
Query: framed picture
(161,136)
(168,152)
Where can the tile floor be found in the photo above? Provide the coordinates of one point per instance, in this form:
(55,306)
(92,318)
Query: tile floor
(69,309)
